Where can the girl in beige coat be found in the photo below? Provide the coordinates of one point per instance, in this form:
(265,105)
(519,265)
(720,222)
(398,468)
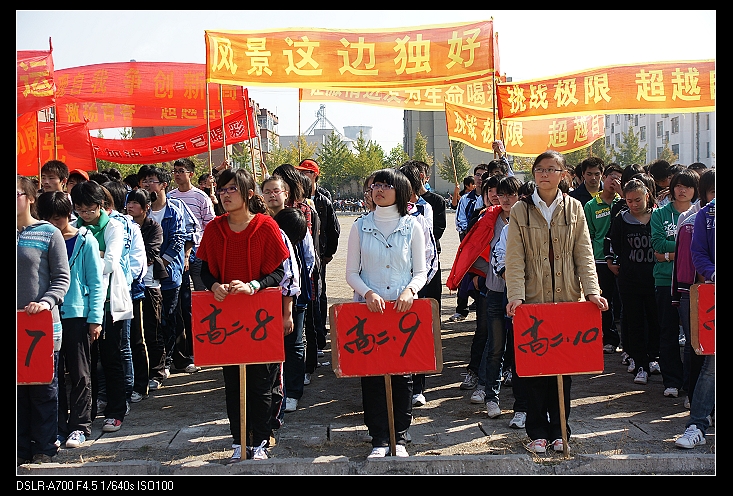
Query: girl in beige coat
(549,259)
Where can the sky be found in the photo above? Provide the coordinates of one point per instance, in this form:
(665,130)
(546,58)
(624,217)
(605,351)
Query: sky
(532,44)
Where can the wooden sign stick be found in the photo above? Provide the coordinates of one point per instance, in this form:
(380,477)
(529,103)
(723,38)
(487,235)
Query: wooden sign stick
(390,415)
(243,407)
(563,425)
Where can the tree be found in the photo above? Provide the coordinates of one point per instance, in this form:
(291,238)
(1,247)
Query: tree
(629,152)
(397,156)
(462,166)
(290,155)
(368,157)
(333,160)
(421,149)
(667,155)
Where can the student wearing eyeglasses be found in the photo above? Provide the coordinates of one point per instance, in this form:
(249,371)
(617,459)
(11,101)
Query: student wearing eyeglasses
(549,259)
(387,237)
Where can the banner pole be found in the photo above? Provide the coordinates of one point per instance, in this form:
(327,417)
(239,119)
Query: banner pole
(249,133)
(208,130)
(300,97)
(243,408)
(563,424)
(450,145)
(223,129)
(390,415)
(38,148)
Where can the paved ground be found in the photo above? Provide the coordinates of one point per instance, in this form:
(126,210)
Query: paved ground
(618,427)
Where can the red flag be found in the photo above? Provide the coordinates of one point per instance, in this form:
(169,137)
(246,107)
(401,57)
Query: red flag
(36,88)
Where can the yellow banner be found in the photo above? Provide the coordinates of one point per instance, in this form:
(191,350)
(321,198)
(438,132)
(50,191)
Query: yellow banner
(378,58)
(476,94)
(649,88)
(523,137)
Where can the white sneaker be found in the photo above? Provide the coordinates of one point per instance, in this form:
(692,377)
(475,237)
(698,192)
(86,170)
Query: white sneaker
(418,399)
(641,376)
(237,455)
(260,452)
(307,379)
(379,452)
(401,451)
(691,438)
(672,392)
(518,421)
(456,317)
(624,358)
(479,396)
(654,368)
(191,369)
(632,366)
(136,397)
(687,402)
(154,384)
(291,404)
(492,409)
(167,372)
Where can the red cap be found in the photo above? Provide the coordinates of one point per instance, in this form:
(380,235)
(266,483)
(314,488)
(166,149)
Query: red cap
(80,172)
(309,165)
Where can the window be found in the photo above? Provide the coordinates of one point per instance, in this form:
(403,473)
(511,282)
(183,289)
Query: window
(608,120)
(666,136)
(675,125)
(636,120)
(660,129)
(659,151)
(612,128)
(664,116)
(707,150)
(642,133)
(618,119)
(676,150)
(618,139)
(708,122)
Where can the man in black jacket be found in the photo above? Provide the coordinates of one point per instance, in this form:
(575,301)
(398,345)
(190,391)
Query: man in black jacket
(328,243)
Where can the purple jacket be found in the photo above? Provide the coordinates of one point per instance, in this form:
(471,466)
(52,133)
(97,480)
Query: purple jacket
(703,242)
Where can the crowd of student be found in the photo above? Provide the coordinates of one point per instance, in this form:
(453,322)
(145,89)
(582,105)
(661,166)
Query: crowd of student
(116,260)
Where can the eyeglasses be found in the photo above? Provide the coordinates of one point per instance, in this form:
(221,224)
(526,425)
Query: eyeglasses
(87,212)
(179,171)
(381,187)
(227,189)
(506,197)
(149,181)
(547,171)
(18,194)
(269,192)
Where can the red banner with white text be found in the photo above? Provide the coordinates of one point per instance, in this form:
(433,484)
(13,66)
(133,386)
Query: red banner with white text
(177,145)
(142,94)
(35,80)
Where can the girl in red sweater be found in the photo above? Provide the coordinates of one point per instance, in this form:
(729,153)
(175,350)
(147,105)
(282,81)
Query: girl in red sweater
(242,252)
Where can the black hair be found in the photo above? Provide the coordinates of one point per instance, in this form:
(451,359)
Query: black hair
(245,182)
(30,188)
(53,203)
(119,194)
(412,173)
(650,184)
(291,177)
(659,169)
(706,184)
(293,223)
(685,177)
(99,177)
(526,189)
(488,181)
(637,184)
(612,167)
(558,157)
(160,173)
(56,167)
(697,166)
(483,167)
(468,181)
(401,185)
(131,181)
(508,185)
(629,171)
(142,197)
(88,193)
(186,163)
(591,162)
(497,164)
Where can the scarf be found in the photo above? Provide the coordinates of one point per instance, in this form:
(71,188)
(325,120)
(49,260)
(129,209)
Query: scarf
(97,229)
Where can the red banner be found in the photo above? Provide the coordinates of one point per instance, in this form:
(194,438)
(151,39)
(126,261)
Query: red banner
(378,58)
(34,360)
(649,88)
(35,81)
(546,342)
(177,145)
(702,318)
(73,145)
(365,343)
(141,94)
(241,329)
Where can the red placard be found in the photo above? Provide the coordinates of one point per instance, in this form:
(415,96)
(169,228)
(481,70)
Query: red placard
(558,339)
(702,318)
(35,348)
(365,343)
(242,329)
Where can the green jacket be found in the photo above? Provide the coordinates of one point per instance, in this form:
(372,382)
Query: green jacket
(664,226)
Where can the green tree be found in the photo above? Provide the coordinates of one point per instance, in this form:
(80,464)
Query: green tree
(397,156)
(333,160)
(421,149)
(667,154)
(629,152)
(368,157)
(462,166)
(290,155)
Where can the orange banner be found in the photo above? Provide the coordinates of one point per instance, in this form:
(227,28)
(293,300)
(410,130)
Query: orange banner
(173,146)
(143,94)
(684,86)
(376,58)
(476,94)
(35,80)
(523,137)
(73,145)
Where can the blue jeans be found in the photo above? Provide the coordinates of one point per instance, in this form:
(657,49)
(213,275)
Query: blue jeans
(704,400)
(492,360)
(294,366)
